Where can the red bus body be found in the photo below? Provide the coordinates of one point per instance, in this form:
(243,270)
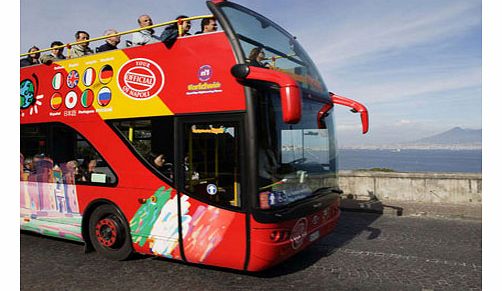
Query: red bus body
(162,218)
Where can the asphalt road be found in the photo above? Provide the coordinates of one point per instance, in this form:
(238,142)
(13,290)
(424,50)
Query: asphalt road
(366,252)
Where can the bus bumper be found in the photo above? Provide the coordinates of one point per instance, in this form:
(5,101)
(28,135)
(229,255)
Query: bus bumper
(273,244)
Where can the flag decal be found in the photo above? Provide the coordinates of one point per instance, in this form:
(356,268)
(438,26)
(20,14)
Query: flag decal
(87,98)
(72,79)
(71,100)
(106,74)
(56,81)
(89,77)
(56,101)
(104,96)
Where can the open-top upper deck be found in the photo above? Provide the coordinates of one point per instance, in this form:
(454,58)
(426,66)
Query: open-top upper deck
(192,75)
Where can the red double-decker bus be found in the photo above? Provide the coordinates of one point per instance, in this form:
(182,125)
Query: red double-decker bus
(184,150)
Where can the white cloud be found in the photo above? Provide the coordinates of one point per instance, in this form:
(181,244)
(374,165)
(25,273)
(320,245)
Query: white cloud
(390,30)
(404,122)
(403,89)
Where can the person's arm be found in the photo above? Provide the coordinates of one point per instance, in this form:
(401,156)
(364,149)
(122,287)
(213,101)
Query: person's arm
(139,38)
(74,53)
(47,59)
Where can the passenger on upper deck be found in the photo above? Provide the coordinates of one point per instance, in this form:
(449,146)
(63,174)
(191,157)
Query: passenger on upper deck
(207,25)
(171,33)
(82,49)
(111,42)
(145,36)
(256,57)
(56,54)
(31,59)
(185,25)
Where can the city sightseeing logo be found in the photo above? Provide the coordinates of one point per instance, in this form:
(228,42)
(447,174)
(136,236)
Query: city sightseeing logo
(204,74)
(140,79)
(299,233)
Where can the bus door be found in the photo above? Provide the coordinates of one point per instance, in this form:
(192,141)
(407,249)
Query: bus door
(210,178)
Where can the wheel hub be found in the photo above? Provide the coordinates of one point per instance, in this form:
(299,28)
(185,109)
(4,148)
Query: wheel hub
(107,232)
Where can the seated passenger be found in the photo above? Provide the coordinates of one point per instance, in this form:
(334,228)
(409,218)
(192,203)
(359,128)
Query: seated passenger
(187,167)
(22,167)
(28,165)
(89,166)
(207,25)
(42,166)
(31,59)
(56,54)
(145,36)
(256,56)
(160,163)
(110,43)
(171,32)
(185,25)
(82,49)
(72,172)
(57,174)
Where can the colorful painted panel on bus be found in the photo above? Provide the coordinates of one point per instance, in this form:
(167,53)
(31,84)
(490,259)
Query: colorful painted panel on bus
(155,225)
(144,220)
(207,229)
(48,199)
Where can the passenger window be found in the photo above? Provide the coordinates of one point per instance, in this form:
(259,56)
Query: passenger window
(152,139)
(211,163)
(56,153)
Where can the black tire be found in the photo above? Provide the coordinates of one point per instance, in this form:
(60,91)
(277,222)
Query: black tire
(109,233)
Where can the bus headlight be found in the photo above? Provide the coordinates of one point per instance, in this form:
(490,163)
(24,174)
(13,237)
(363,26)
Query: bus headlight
(279,235)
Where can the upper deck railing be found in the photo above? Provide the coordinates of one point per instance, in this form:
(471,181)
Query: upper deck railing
(69,45)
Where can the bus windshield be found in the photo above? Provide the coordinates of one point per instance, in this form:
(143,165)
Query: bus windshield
(282,52)
(295,161)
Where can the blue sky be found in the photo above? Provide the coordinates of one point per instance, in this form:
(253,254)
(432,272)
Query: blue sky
(415,64)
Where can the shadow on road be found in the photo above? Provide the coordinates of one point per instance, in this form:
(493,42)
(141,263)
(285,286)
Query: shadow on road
(355,221)
(133,257)
(369,203)
(36,234)
(350,225)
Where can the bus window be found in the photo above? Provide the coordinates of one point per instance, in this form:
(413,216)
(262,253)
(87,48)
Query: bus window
(282,51)
(211,162)
(151,138)
(34,140)
(57,153)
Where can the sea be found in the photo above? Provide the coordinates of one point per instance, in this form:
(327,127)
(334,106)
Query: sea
(409,160)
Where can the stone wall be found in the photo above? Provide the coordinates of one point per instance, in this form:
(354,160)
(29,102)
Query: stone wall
(419,187)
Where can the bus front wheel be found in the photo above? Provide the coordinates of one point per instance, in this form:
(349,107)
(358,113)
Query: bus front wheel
(109,233)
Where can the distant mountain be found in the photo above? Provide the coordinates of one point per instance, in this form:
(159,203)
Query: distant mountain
(454,136)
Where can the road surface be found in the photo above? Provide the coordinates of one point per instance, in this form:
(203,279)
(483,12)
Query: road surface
(366,252)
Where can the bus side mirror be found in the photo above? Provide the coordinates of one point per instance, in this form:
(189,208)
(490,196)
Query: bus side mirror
(321,124)
(291,98)
(356,107)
